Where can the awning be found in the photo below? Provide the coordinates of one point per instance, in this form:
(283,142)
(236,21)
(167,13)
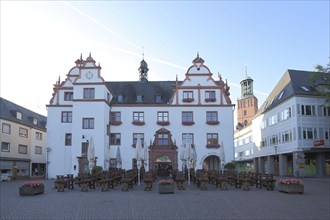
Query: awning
(21,165)
(6,165)
(317,150)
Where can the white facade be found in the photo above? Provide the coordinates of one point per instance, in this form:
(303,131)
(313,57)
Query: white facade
(209,101)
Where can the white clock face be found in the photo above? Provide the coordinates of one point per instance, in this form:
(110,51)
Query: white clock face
(89,75)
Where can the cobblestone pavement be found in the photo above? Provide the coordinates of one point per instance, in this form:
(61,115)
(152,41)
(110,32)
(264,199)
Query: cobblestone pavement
(191,203)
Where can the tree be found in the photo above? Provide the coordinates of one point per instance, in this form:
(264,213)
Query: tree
(323,69)
(321,80)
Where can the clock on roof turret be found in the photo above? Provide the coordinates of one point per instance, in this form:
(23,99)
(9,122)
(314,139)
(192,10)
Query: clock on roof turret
(89,75)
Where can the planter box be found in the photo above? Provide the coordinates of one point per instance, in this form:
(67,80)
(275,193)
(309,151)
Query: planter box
(291,188)
(166,188)
(30,191)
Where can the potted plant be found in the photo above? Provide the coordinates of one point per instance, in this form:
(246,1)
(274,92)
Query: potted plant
(166,186)
(291,185)
(31,188)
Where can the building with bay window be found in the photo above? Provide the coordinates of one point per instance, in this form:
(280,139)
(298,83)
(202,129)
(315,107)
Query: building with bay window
(164,114)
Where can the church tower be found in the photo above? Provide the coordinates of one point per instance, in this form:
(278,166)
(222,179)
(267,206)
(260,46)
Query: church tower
(247,105)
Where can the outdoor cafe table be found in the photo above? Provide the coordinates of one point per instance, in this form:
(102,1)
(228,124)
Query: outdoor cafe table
(180,182)
(220,182)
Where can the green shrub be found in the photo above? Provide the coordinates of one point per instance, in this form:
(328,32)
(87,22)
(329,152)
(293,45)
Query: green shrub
(230,166)
(97,169)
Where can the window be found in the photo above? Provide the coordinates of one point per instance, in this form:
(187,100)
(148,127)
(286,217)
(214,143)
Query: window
(240,142)
(187,118)
(280,95)
(66,117)
(326,110)
(263,124)
(19,115)
(187,94)
(6,128)
(210,96)
(246,140)
(35,121)
(188,138)
(327,134)
(309,133)
(38,135)
(287,136)
(212,138)
(115,139)
(135,136)
(305,88)
(307,109)
(38,150)
(68,139)
(84,148)
(286,114)
(163,118)
(138,116)
(108,97)
(139,98)
(5,147)
(115,118)
(162,139)
(88,123)
(22,149)
(23,132)
(158,98)
(212,118)
(68,96)
(89,93)
(263,142)
(273,140)
(120,98)
(273,120)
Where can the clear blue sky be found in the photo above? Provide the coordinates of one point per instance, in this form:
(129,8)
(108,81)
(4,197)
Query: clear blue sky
(40,41)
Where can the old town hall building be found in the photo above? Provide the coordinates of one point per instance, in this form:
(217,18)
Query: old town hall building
(164,114)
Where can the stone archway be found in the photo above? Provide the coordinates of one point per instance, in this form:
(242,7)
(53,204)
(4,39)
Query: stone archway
(163,165)
(163,150)
(211,162)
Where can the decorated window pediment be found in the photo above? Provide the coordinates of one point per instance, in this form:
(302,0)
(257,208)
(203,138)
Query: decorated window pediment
(163,138)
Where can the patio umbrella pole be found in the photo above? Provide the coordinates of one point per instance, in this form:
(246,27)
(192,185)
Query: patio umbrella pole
(188,173)
(139,176)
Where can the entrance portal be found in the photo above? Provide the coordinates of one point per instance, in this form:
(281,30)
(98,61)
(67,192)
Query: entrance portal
(211,163)
(163,166)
